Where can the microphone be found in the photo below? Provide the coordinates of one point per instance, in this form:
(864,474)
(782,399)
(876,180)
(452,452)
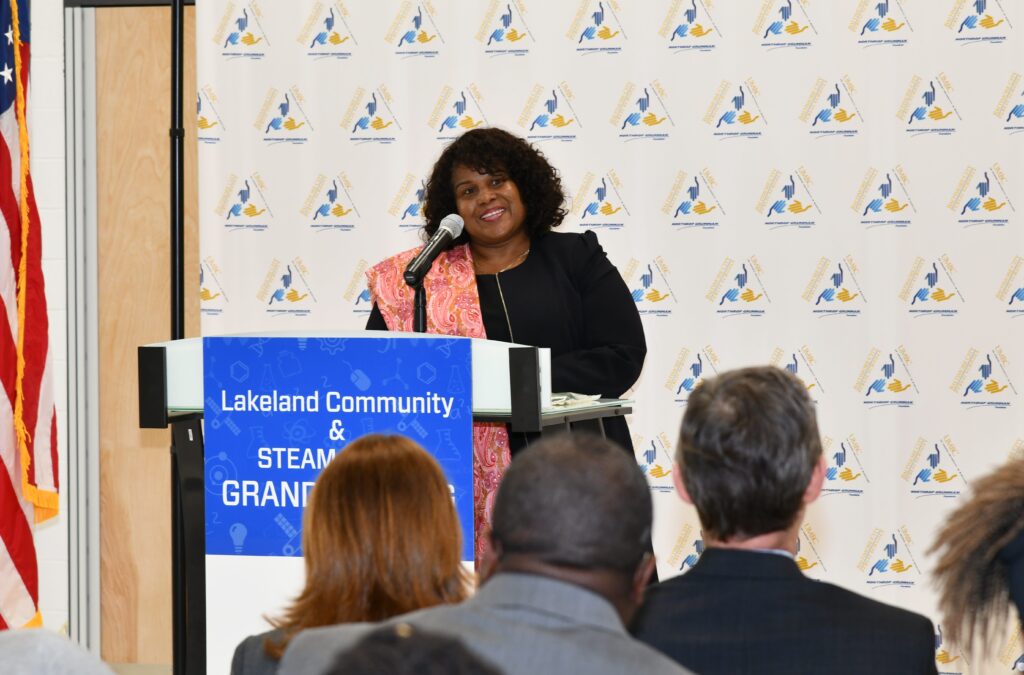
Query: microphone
(449,229)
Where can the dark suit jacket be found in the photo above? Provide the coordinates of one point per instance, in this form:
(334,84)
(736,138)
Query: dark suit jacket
(749,612)
(250,659)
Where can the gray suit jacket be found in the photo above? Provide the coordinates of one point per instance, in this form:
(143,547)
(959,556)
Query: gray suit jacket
(523,624)
(250,659)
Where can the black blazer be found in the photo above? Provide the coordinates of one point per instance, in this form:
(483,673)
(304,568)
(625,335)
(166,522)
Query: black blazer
(749,612)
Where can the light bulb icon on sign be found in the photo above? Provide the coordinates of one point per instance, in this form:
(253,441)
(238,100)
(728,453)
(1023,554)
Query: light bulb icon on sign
(237,532)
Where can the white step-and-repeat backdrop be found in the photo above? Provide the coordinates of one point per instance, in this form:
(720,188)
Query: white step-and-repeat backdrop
(832,187)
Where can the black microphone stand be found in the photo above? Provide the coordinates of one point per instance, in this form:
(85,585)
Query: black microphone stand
(419,308)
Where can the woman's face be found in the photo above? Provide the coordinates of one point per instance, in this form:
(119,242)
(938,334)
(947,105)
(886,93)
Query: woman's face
(490,205)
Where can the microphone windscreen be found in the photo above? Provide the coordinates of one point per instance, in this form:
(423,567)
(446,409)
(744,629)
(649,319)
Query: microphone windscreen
(452,223)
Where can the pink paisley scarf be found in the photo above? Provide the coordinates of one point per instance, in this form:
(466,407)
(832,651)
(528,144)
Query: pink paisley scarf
(453,308)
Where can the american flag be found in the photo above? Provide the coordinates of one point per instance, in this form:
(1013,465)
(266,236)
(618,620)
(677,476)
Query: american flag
(28,421)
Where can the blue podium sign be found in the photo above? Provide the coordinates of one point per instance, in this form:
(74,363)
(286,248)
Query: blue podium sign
(277,410)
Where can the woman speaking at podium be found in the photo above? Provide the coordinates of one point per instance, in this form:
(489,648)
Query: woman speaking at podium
(508,277)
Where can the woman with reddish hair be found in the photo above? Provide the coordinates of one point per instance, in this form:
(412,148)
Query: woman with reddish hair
(380,538)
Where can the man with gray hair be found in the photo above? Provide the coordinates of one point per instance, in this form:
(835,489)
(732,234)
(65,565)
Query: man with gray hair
(570,538)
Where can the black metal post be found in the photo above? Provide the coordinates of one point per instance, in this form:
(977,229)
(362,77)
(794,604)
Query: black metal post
(419,309)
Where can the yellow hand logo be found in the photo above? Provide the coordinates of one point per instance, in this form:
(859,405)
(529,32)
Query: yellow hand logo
(513,35)
(843,116)
(468,122)
(896,386)
(650,119)
(293,296)
(941,476)
(746,118)
(893,206)
(804,564)
(250,39)
(560,121)
(606,33)
(204,123)
(988,22)
(992,387)
(702,209)
(899,566)
(340,211)
(845,296)
(938,113)
(798,206)
(848,475)
(336,39)
(291,125)
(423,38)
(252,211)
(379,124)
(205,294)
(891,25)
(607,209)
(942,656)
(654,295)
(793,28)
(940,295)
(992,205)
(698,30)
(749,296)
(659,472)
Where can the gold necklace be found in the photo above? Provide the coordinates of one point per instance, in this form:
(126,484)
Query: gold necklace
(512,264)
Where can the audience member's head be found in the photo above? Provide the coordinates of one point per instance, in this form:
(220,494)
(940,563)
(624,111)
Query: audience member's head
(403,650)
(37,651)
(381,538)
(980,571)
(749,456)
(575,507)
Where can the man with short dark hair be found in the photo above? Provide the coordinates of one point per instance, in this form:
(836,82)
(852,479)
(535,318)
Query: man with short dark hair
(570,535)
(750,461)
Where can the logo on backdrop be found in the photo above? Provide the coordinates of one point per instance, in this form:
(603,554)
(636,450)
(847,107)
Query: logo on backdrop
(1010,109)
(648,284)
(982,199)
(240,32)
(243,204)
(1011,289)
(692,202)
(329,205)
(833,289)
(596,28)
(285,289)
(734,111)
(456,112)
(688,547)
(503,30)
(549,114)
(946,656)
(1011,654)
(881,24)
(883,200)
(356,294)
(786,200)
(978,21)
(784,24)
(689,370)
(370,117)
(930,289)
(414,32)
(655,459)
(808,557)
(282,119)
(932,469)
(209,123)
(800,362)
(885,379)
(641,113)
(927,108)
(688,25)
(737,289)
(888,559)
(983,381)
(830,109)
(327,34)
(845,475)
(406,206)
(598,202)
(212,296)
(303,400)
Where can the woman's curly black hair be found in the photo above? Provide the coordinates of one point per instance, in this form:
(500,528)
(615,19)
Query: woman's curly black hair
(492,151)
